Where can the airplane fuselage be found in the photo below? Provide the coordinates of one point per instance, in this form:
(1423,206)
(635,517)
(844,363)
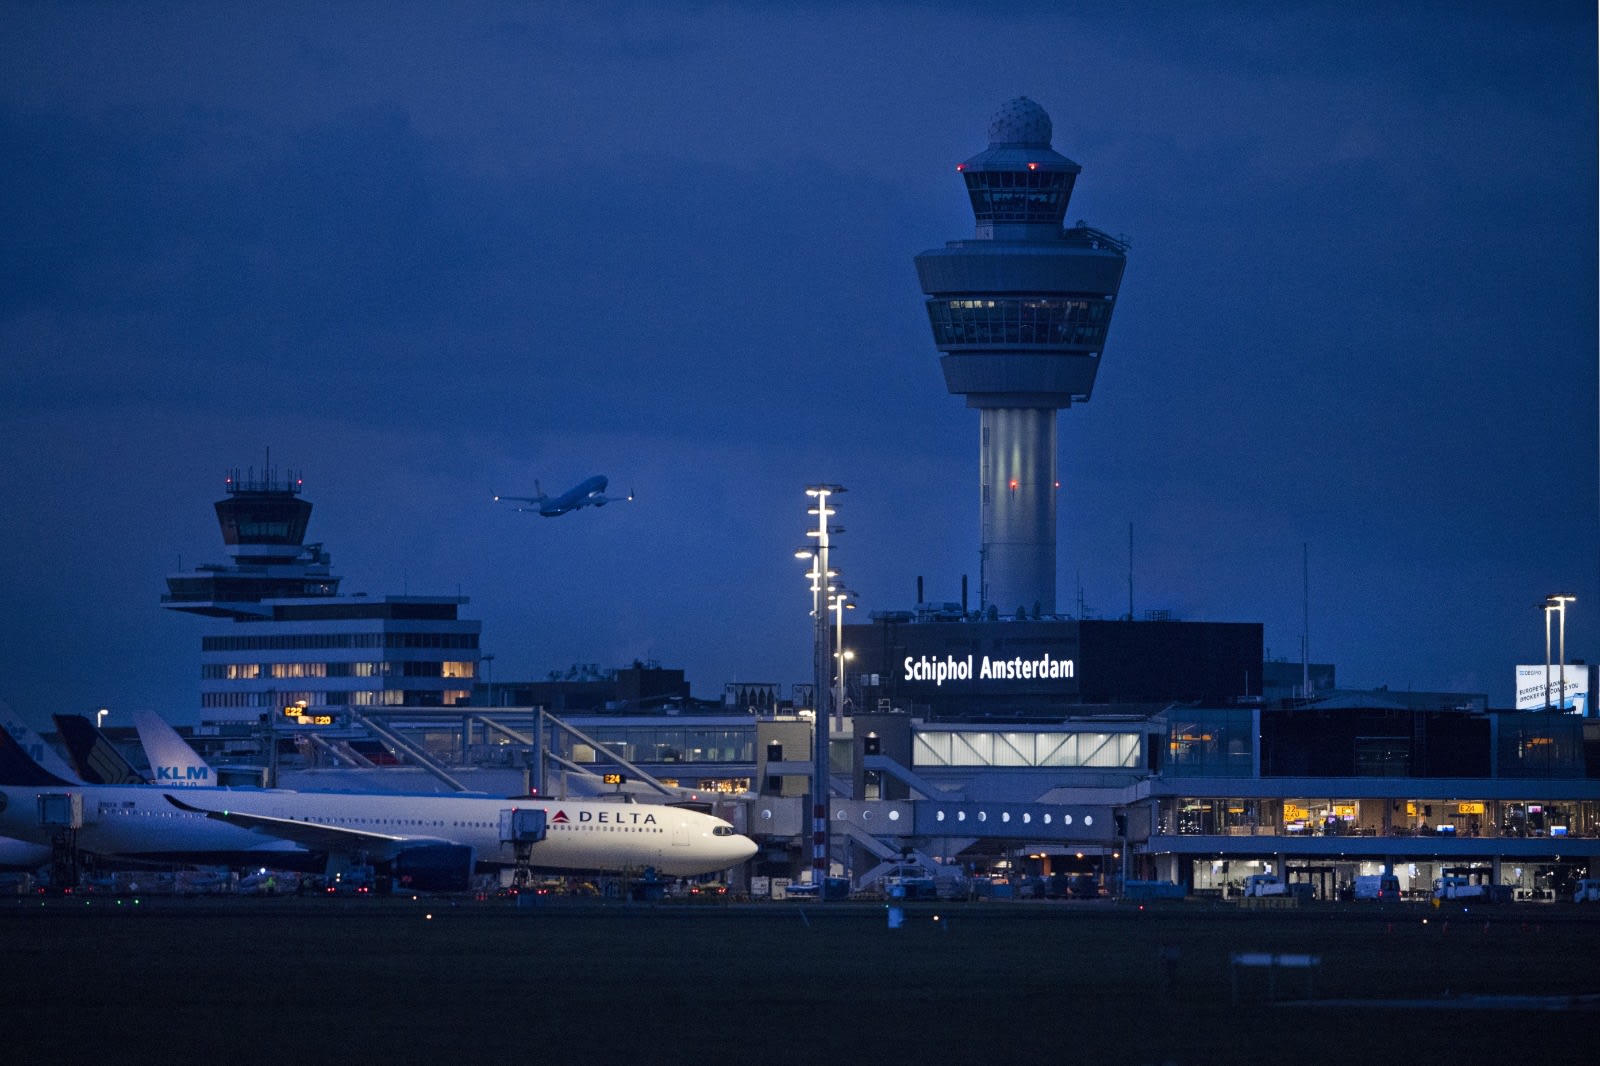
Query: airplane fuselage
(139,822)
(591,491)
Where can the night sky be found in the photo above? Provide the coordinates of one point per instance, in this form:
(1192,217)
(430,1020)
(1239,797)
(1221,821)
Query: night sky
(422,254)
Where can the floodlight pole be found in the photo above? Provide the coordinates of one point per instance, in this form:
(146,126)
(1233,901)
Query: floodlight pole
(840,603)
(1548,607)
(1558,602)
(822,685)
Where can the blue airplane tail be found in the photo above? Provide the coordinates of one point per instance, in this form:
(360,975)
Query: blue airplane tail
(18,768)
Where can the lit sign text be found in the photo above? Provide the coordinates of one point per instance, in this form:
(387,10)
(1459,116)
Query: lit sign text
(1044,668)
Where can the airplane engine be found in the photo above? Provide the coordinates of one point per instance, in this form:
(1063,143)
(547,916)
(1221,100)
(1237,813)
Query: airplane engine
(434,868)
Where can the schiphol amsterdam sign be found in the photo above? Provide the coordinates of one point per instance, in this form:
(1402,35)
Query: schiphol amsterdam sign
(938,670)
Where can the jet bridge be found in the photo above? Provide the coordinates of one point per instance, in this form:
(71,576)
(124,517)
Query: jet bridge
(341,750)
(62,814)
(543,757)
(412,751)
(522,828)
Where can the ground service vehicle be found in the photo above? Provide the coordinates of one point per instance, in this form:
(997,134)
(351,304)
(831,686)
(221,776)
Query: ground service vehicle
(1377,886)
(1587,891)
(1458,888)
(1265,885)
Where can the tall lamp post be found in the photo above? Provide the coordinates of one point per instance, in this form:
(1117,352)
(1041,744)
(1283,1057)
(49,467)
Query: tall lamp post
(1556,602)
(840,600)
(821,678)
(1548,609)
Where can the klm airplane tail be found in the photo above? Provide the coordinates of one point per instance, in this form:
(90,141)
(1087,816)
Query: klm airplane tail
(172,761)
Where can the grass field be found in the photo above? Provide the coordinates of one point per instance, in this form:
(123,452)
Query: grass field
(404,981)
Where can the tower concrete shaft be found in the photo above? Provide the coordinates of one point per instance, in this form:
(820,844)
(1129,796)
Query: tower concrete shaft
(1020,313)
(1017,476)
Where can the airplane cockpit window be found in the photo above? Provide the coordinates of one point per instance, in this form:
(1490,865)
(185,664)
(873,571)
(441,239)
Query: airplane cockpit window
(723,831)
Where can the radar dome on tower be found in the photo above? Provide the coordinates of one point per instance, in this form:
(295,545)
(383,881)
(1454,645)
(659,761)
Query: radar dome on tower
(1020,122)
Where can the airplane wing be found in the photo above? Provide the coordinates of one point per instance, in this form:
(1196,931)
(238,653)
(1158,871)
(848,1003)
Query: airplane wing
(535,504)
(314,836)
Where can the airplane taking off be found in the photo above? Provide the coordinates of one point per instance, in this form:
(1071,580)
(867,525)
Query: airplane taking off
(590,492)
(428,842)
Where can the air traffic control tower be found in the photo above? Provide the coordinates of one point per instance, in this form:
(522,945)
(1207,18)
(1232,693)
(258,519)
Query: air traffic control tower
(1021,313)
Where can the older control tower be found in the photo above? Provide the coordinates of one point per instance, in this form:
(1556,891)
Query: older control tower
(1021,313)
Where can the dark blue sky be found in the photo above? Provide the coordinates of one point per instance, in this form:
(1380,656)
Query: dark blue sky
(426,254)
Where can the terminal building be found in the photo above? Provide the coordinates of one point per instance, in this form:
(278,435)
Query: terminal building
(984,751)
(1197,794)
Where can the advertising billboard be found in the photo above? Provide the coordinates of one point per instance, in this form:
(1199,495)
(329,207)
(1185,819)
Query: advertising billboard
(1531,692)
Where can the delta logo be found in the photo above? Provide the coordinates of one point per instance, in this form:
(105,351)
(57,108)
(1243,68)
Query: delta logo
(604,818)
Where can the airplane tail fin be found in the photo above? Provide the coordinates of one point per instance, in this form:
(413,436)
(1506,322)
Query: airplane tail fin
(172,760)
(17,767)
(33,745)
(94,757)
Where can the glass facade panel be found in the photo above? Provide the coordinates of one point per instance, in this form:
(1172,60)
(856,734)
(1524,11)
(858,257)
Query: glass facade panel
(1210,743)
(930,749)
(1049,321)
(1018,749)
(1015,749)
(666,744)
(973,749)
(1540,745)
(1018,196)
(1055,749)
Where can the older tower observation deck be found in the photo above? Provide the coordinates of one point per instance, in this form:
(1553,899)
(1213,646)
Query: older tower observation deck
(1020,314)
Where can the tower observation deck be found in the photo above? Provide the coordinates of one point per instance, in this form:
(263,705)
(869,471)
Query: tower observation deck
(1020,313)
(279,635)
(263,522)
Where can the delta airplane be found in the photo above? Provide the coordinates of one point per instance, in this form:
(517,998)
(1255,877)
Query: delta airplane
(429,842)
(590,492)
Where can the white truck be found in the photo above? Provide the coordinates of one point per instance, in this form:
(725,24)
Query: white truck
(1265,885)
(1458,888)
(1377,886)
